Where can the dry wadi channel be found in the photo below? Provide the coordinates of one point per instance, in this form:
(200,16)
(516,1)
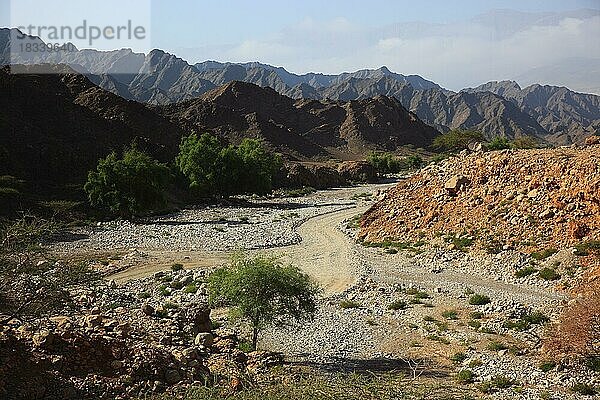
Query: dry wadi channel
(431,322)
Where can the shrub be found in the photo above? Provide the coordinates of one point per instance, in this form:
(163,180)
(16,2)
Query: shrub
(499,143)
(456,140)
(191,288)
(476,315)
(526,321)
(128,186)
(547,366)
(549,274)
(593,363)
(585,248)
(347,304)
(474,324)
(584,389)
(176,267)
(457,358)
(263,292)
(542,255)
(413,162)
(384,163)
(465,376)
(398,305)
(502,382)
(496,346)
(450,314)
(526,271)
(421,295)
(479,300)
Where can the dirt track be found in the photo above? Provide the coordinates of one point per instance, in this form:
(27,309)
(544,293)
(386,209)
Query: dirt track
(336,261)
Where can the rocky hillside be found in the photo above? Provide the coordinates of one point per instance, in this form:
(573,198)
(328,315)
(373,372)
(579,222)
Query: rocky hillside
(526,200)
(60,137)
(305,128)
(568,115)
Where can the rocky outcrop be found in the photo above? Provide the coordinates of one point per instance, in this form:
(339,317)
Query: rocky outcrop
(302,129)
(58,138)
(525,199)
(122,341)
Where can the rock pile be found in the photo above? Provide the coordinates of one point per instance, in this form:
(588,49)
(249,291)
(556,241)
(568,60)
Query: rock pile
(519,199)
(131,341)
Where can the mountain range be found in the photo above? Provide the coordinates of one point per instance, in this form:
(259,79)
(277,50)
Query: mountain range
(549,113)
(58,138)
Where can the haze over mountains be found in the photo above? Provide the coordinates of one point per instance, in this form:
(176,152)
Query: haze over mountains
(549,113)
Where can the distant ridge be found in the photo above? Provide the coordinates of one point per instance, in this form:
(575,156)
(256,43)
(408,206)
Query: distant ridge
(497,109)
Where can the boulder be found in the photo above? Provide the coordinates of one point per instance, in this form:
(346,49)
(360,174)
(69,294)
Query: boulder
(317,176)
(204,339)
(357,171)
(148,309)
(456,184)
(592,140)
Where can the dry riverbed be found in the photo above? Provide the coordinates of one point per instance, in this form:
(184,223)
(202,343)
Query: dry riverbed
(382,310)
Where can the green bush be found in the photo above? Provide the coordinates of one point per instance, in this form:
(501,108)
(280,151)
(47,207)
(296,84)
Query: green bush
(465,376)
(450,314)
(216,170)
(549,274)
(176,267)
(347,304)
(526,321)
(547,366)
(456,140)
(499,143)
(413,162)
(585,248)
(523,272)
(129,186)
(398,305)
(384,163)
(496,346)
(584,389)
(263,292)
(543,254)
(457,358)
(479,300)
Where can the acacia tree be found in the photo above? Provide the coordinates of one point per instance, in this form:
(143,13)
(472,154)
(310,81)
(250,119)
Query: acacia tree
(128,186)
(263,292)
(457,140)
(216,170)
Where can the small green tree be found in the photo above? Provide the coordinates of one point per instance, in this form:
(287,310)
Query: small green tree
(258,167)
(198,160)
(263,292)
(384,163)
(128,186)
(215,170)
(457,140)
(499,143)
(413,162)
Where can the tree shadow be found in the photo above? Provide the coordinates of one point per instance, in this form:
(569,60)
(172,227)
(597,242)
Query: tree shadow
(67,237)
(409,366)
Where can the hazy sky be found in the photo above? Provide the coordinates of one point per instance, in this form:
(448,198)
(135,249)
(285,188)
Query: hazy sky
(445,41)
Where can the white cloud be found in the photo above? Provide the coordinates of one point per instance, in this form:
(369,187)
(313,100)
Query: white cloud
(455,55)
